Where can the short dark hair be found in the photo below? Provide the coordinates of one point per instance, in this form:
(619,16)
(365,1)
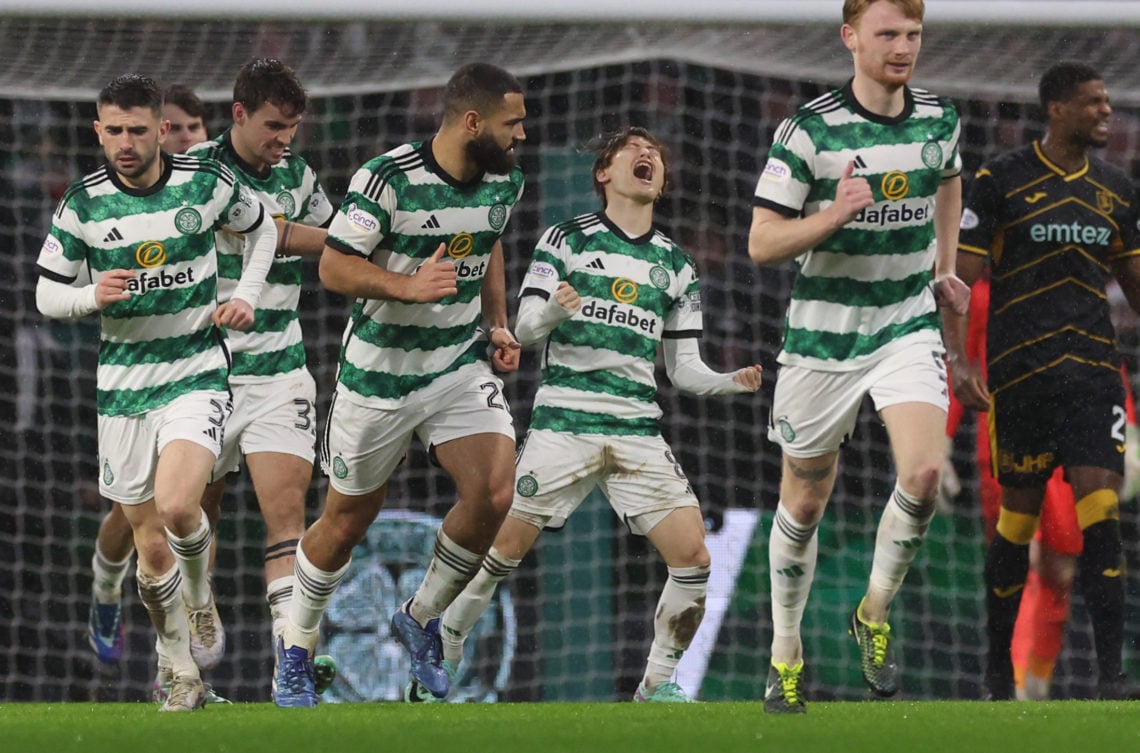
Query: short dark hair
(184,97)
(132,90)
(479,87)
(264,80)
(1060,82)
(607,145)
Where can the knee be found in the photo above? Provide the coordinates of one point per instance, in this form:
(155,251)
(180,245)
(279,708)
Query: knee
(698,557)
(806,511)
(153,550)
(921,482)
(346,528)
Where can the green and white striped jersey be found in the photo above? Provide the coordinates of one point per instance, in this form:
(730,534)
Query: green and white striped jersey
(400,206)
(868,285)
(598,366)
(272,348)
(159,344)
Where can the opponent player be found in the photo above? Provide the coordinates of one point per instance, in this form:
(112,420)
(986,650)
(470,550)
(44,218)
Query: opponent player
(416,241)
(1053,222)
(144,225)
(862,187)
(606,289)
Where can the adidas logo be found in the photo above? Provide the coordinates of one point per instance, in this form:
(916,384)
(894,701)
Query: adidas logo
(113,236)
(212,433)
(596,263)
(431,223)
(859,163)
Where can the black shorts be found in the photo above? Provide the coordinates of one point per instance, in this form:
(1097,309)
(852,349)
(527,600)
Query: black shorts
(1031,434)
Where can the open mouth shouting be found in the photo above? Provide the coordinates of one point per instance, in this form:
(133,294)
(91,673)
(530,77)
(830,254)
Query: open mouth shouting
(643,170)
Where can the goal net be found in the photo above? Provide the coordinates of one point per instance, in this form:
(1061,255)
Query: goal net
(575,623)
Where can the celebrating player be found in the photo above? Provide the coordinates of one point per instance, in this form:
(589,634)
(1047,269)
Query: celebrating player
(607,289)
(1053,222)
(274,419)
(862,188)
(187,116)
(416,242)
(114,543)
(144,226)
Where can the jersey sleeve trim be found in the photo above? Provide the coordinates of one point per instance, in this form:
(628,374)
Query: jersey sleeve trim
(680,334)
(337,244)
(55,276)
(544,295)
(775,207)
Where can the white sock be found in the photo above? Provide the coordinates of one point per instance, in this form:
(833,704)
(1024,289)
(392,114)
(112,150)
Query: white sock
(107,583)
(452,567)
(162,597)
(278,593)
(313,589)
(461,617)
(679,613)
(193,556)
(792,552)
(902,529)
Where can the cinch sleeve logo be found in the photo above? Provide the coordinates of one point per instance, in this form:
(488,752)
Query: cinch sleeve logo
(361,219)
(624,290)
(543,270)
(151,254)
(460,246)
(776,171)
(895,185)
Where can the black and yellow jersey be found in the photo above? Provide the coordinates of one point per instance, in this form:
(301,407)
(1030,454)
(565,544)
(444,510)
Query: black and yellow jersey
(1051,238)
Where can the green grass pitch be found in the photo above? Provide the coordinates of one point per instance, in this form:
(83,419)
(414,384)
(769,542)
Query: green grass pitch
(884,727)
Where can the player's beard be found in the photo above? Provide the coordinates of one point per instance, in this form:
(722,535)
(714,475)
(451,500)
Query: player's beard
(489,157)
(142,164)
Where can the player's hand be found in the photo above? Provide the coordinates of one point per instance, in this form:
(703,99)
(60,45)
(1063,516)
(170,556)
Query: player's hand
(234,314)
(852,195)
(749,377)
(950,292)
(507,349)
(432,280)
(969,385)
(112,287)
(567,297)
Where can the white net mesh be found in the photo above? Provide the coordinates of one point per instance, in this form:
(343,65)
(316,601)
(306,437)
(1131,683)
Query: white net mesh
(578,621)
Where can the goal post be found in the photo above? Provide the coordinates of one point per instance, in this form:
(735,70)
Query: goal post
(713,89)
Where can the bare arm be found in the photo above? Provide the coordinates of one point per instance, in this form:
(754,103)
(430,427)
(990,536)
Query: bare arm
(296,239)
(357,277)
(965,377)
(774,238)
(494,299)
(949,290)
(494,290)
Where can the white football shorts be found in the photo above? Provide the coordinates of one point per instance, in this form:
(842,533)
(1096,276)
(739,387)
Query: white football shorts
(362,445)
(814,412)
(278,416)
(129,446)
(639,475)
